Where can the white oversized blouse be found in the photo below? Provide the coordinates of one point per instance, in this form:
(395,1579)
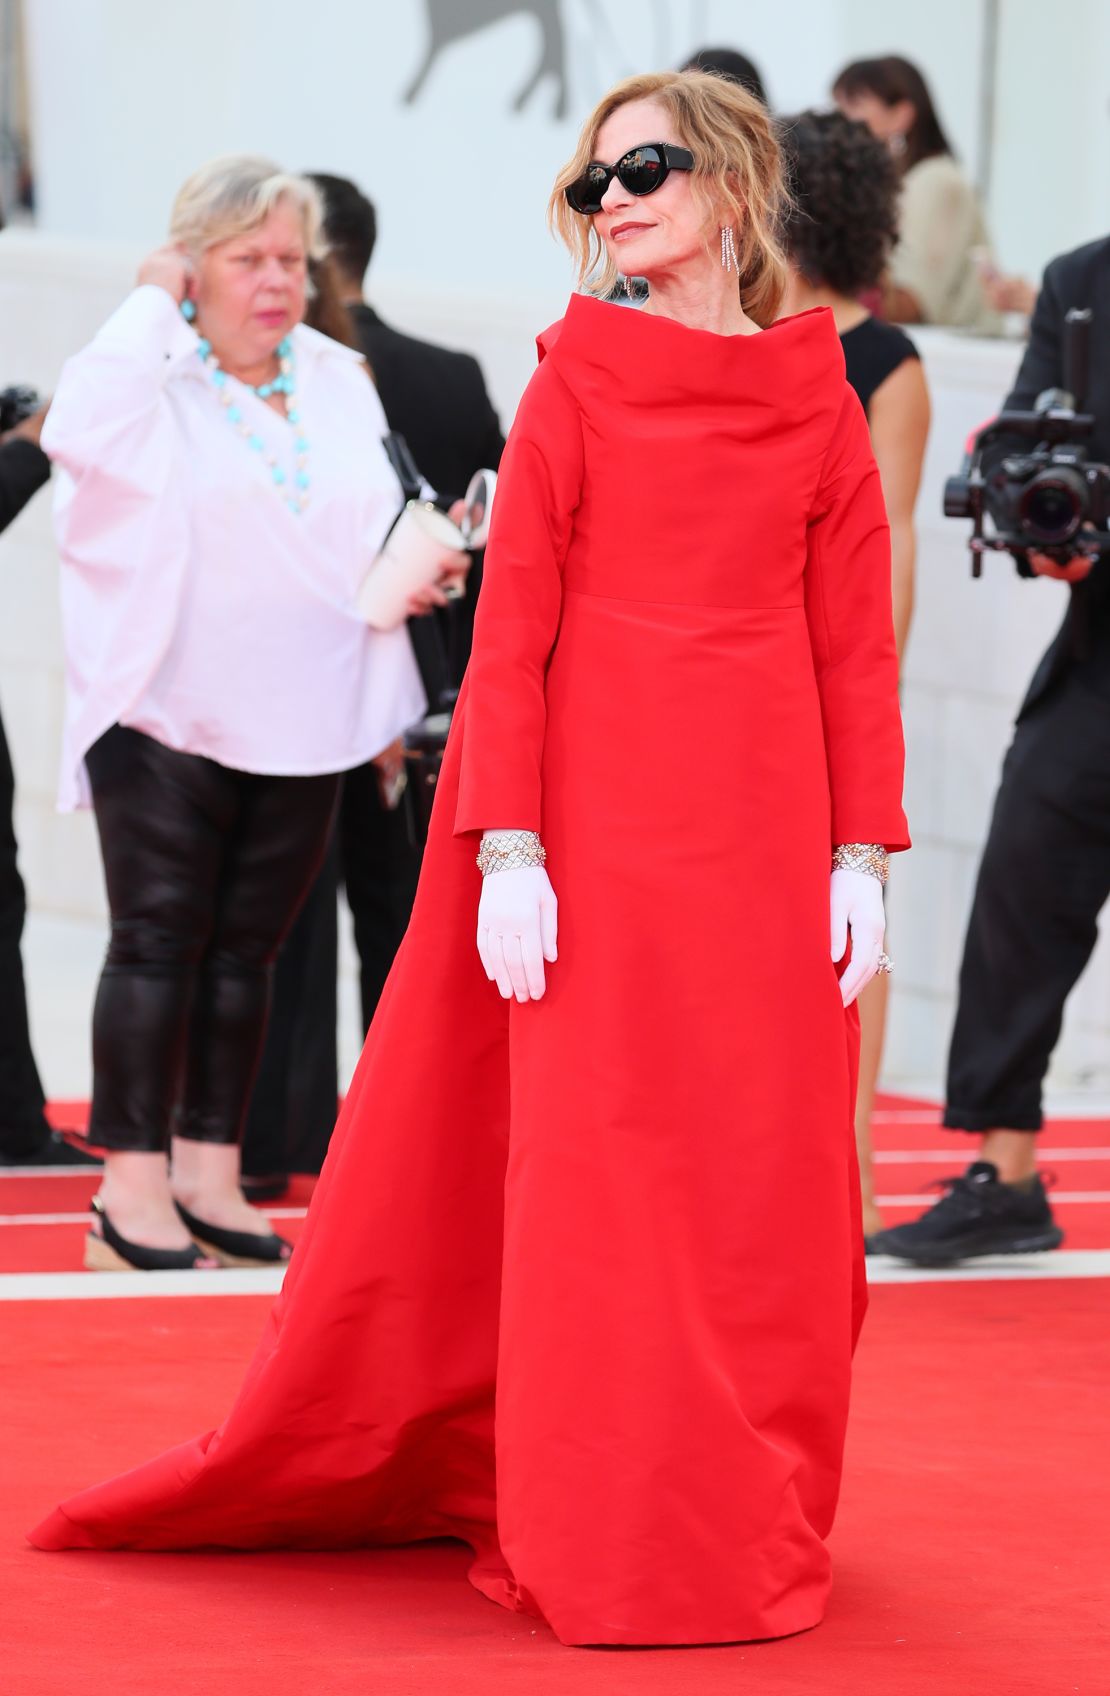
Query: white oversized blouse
(195,605)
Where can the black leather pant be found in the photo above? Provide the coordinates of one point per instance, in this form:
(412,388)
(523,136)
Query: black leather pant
(205,870)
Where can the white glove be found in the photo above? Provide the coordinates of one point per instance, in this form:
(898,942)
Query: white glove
(518,919)
(856,905)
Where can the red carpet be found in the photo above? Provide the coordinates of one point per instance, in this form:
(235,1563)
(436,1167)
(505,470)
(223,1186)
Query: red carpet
(970,1551)
(971,1548)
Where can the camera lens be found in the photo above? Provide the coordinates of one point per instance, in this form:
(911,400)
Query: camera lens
(1053,506)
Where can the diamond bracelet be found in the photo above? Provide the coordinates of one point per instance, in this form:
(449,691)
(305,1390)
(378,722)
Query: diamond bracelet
(869,857)
(511,849)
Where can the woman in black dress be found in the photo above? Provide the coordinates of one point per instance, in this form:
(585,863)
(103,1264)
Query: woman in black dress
(840,231)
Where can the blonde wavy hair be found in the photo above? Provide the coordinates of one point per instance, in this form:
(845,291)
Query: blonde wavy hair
(233,195)
(738,179)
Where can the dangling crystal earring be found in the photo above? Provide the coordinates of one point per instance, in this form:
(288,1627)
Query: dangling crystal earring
(188,310)
(729,258)
(629,289)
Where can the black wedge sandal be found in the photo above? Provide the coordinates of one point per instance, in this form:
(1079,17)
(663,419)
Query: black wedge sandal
(107,1251)
(235,1248)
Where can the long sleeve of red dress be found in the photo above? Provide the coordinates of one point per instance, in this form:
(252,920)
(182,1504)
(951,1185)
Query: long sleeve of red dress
(848,610)
(518,613)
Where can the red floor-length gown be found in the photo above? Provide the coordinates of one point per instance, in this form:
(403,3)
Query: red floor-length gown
(581,1280)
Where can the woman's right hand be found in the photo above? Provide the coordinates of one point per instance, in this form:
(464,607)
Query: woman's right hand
(518,919)
(1073,570)
(168,268)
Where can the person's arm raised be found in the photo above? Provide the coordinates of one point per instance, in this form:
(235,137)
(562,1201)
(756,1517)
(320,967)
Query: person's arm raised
(108,422)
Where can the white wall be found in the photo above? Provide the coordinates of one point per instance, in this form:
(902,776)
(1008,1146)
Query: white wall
(1051,180)
(128,97)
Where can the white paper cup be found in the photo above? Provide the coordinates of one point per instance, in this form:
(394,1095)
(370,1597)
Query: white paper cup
(423,545)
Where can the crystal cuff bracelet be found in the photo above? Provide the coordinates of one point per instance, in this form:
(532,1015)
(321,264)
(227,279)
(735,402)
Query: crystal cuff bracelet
(509,849)
(869,857)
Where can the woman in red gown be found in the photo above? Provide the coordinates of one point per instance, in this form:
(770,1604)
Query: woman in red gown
(581,1280)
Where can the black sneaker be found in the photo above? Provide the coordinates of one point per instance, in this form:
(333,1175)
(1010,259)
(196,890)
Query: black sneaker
(49,1148)
(978,1215)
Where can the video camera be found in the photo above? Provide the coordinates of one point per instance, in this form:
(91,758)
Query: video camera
(1051,500)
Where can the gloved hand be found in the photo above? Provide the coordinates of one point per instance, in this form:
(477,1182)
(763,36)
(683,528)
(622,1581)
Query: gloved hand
(856,906)
(517,930)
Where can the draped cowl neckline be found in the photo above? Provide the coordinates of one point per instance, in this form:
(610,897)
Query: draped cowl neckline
(649,357)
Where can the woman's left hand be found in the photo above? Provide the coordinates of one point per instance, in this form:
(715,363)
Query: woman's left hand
(856,908)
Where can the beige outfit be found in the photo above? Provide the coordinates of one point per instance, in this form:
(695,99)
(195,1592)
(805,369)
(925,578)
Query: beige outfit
(940,226)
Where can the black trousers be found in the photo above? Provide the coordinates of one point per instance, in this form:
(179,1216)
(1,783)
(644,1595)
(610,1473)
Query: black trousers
(1044,877)
(380,868)
(292,1109)
(295,1096)
(22,1121)
(205,869)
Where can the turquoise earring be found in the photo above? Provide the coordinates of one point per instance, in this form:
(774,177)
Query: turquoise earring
(188,310)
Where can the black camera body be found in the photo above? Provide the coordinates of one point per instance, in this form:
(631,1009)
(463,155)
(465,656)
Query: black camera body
(16,404)
(1054,499)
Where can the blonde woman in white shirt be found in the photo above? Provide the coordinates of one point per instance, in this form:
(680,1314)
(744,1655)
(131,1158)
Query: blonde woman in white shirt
(222,490)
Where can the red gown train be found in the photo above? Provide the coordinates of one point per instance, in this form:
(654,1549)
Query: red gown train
(581,1280)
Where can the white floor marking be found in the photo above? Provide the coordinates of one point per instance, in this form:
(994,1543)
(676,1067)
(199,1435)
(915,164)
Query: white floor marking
(83,1218)
(1058,1263)
(1067,1197)
(881,1269)
(881,1157)
(951,1156)
(111,1286)
(1086,1112)
(49,1172)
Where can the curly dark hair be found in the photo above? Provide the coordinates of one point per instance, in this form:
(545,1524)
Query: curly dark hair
(845,184)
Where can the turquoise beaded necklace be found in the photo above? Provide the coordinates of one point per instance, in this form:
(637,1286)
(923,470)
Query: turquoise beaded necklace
(284,383)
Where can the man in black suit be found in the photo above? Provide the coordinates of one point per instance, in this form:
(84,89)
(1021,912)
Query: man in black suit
(437,400)
(1045,872)
(434,397)
(26,1138)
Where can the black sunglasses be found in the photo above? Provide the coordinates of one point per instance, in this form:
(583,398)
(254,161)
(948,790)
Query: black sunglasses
(641,171)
